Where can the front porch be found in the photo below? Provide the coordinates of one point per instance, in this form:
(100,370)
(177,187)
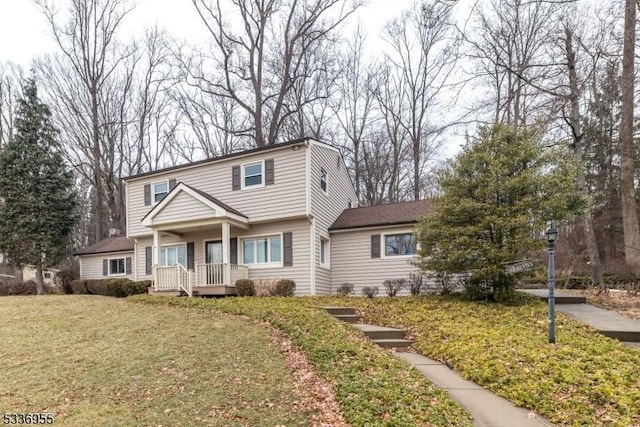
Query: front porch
(205,280)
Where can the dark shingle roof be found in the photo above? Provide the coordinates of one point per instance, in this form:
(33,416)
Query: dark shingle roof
(390,214)
(110,244)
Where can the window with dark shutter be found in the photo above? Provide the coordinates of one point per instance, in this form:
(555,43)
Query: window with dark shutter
(235,178)
(287,246)
(375,246)
(190,255)
(147,194)
(269,172)
(148,259)
(127,262)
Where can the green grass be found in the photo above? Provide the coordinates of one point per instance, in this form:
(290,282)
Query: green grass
(585,379)
(95,361)
(373,387)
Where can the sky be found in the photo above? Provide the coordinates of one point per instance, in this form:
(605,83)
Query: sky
(24,32)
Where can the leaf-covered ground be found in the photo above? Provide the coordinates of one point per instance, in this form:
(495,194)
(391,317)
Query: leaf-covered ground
(373,387)
(95,361)
(585,379)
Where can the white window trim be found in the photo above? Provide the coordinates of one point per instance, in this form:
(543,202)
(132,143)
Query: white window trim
(167,245)
(326,179)
(153,191)
(383,245)
(277,264)
(327,253)
(242,176)
(109,273)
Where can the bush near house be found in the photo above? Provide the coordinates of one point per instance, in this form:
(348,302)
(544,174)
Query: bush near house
(13,287)
(370,291)
(285,288)
(245,288)
(372,386)
(345,289)
(118,288)
(65,277)
(393,286)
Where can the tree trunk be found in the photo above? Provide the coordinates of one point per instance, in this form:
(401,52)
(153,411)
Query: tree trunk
(97,167)
(578,151)
(17,272)
(630,225)
(39,280)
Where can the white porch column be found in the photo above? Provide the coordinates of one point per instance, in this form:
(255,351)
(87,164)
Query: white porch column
(155,257)
(226,258)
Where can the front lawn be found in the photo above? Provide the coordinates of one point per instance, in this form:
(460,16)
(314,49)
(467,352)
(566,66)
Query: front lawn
(584,379)
(94,361)
(373,387)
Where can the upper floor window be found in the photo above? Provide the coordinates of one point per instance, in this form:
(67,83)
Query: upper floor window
(261,250)
(323,180)
(252,175)
(159,190)
(116,266)
(399,244)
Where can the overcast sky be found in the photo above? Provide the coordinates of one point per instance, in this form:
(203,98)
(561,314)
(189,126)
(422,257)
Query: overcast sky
(24,32)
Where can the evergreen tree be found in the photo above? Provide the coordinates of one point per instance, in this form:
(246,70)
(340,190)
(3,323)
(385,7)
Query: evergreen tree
(497,196)
(37,203)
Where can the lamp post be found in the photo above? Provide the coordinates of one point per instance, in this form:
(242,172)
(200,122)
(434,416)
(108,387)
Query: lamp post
(552,233)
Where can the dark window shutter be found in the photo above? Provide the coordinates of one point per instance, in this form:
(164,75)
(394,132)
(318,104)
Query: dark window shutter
(147,194)
(148,259)
(127,265)
(287,245)
(235,178)
(172,184)
(233,250)
(375,246)
(105,267)
(190,256)
(269,172)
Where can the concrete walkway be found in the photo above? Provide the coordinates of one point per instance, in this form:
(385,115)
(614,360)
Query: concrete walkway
(608,323)
(487,409)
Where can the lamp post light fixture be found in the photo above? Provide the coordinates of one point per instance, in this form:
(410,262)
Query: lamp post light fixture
(552,233)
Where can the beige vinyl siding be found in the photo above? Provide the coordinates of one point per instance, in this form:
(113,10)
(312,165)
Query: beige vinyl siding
(326,207)
(299,272)
(91,265)
(286,197)
(351,260)
(183,202)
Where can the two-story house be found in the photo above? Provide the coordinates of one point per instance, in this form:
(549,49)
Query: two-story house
(281,211)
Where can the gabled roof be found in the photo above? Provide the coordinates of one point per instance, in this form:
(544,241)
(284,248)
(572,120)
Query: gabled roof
(110,244)
(389,214)
(216,205)
(219,158)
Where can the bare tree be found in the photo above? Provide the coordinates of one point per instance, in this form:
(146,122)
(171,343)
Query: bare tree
(10,90)
(258,63)
(86,35)
(627,144)
(423,47)
(353,102)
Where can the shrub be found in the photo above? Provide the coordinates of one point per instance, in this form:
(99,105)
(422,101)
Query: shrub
(445,283)
(136,288)
(64,278)
(265,287)
(285,288)
(117,287)
(245,288)
(14,287)
(491,284)
(78,286)
(345,289)
(415,283)
(96,287)
(394,285)
(370,291)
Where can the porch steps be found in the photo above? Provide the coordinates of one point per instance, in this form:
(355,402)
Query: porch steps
(382,336)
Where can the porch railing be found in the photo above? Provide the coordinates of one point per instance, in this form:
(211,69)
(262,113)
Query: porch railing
(173,277)
(214,274)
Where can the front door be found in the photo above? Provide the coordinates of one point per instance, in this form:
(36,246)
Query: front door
(213,258)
